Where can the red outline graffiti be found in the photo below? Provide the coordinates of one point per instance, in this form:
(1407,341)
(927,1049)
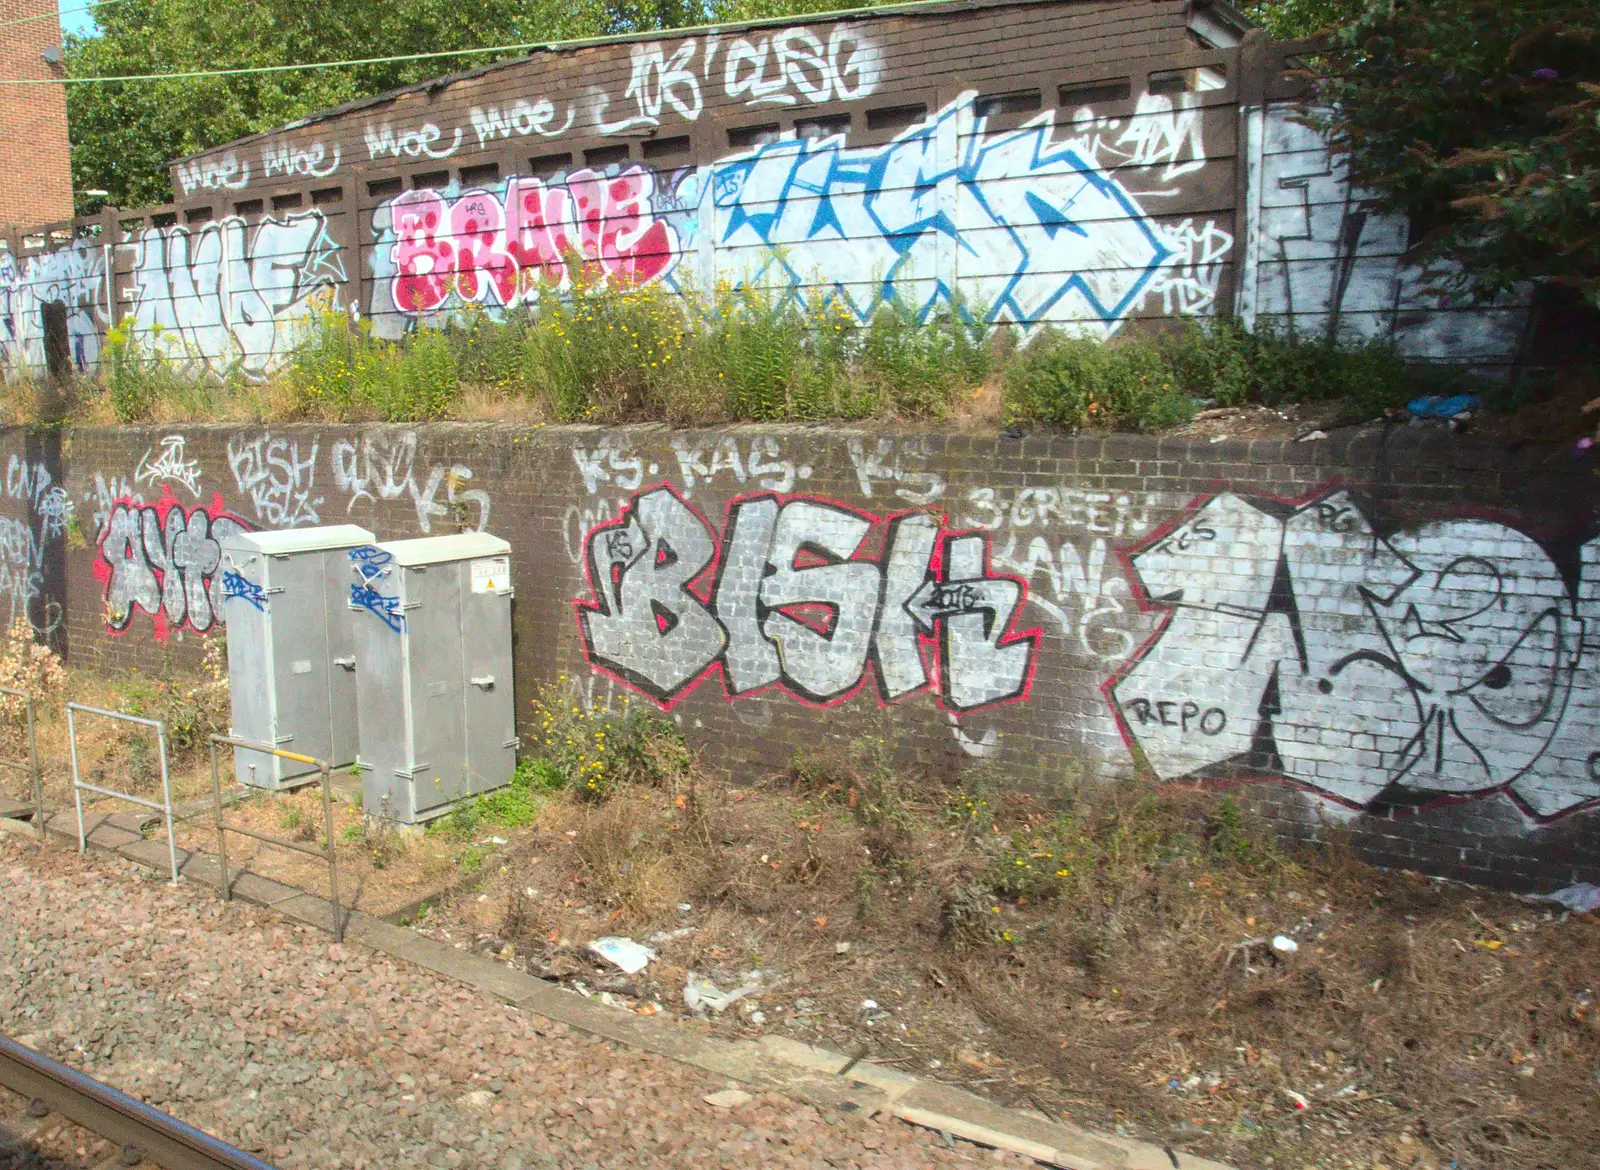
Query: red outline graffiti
(159,566)
(704,587)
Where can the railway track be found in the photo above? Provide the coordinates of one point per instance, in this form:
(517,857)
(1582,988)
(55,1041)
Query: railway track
(145,1134)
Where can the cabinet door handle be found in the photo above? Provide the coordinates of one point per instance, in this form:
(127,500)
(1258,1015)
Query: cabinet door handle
(486,682)
(347,663)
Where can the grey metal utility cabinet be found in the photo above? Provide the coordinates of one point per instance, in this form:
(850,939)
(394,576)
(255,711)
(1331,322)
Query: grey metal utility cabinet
(291,655)
(433,672)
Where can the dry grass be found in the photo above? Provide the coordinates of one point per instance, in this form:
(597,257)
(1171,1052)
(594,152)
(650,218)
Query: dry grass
(112,752)
(1423,1023)
(1082,960)
(381,869)
(488,404)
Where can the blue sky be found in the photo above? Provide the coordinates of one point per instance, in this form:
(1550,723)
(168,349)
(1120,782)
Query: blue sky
(81,21)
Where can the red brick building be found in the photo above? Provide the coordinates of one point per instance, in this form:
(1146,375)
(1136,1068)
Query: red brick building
(35,172)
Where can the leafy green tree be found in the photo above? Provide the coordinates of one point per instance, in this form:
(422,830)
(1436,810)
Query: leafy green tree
(1481,120)
(125,133)
(1291,19)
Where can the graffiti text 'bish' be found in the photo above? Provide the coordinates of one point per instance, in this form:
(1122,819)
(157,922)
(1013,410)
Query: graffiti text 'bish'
(801,593)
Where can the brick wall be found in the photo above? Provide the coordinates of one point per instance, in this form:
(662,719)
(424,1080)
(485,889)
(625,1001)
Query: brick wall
(1398,633)
(35,169)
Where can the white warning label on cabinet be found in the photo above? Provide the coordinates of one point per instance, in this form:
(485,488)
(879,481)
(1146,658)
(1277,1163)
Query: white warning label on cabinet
(491,574)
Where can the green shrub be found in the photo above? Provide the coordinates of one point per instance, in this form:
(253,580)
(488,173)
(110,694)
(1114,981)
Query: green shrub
(423,382)
(594,751)
(921,366)
(138,373)
(600,354)
(336,370)
(754,345)
(1152,381)
(1074,382)
(595,353)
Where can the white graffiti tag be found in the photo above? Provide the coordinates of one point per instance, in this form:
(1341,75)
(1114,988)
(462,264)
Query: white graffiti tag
(171,466)
(419,142)
(384,467)
(1446,658)
(228,297)
(278,480)
(796,604)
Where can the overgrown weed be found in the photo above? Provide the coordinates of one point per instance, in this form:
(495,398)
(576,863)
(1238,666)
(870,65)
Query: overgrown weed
(192,708)
(591,750)
(599,352)
(1150,381)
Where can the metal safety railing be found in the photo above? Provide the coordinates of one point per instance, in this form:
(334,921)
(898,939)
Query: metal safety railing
(31,767)
(327,853)
(79,785)
(145,1134)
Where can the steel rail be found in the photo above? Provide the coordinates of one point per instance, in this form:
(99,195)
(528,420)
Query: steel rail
(157,1137)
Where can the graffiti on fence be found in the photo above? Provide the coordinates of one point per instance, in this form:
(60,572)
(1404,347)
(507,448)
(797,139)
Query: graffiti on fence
(163,558)
(409,141)
(1326,261)
(225,173)
(279,157)
(277,478)
(1038,229)
(521,118)
(804,594)
(499,249)
(229,296)
(74,275)
(1454,657)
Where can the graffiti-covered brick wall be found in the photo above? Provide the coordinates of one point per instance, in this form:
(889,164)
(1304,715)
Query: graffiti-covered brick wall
(1397,632)
(1098,167)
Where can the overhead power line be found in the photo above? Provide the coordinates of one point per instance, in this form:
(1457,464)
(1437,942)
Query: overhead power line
(62,12)
(272,68)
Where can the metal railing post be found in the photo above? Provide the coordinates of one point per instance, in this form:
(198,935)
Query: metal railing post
(333,860)
(78,783)
(77,787)
(328,852)
(33,765)
(166,799)
(222,841)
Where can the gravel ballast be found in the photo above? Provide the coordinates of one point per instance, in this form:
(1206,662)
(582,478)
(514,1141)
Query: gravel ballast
(317,1055)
